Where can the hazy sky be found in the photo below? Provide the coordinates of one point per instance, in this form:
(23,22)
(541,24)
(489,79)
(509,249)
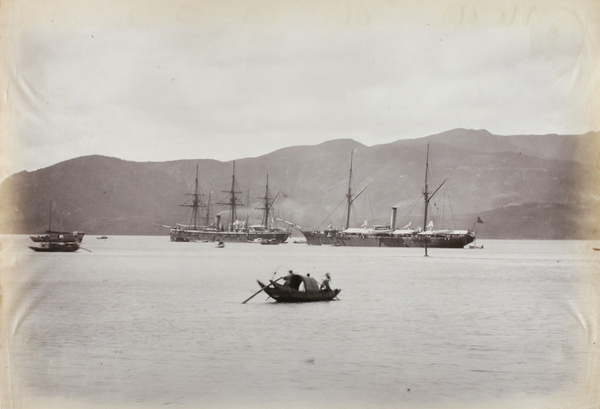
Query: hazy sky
(183,79)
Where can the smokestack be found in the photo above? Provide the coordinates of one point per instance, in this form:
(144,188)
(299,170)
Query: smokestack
(393,221)
(218,222)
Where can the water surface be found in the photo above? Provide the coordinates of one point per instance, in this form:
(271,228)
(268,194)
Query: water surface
(143,322)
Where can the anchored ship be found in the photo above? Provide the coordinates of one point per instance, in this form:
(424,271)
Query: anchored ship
(57,241)
(329,235)
(388,235)
(53,236)
(233,230)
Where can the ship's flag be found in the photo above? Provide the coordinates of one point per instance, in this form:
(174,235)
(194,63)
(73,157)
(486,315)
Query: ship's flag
(479,220)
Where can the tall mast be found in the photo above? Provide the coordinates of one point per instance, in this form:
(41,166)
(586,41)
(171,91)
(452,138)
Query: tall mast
(426,191)
(426,195)
(267,205)
(247,209)
(195,202)
(232,199)
(350,198)
(207,217)
(349,194)
(50,217)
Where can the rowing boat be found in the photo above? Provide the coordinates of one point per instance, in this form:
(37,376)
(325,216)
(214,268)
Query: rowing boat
(298,288)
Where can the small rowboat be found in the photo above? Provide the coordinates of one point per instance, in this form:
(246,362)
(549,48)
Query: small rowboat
(298,288)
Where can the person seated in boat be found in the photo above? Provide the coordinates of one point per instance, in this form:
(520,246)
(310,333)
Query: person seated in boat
(288,278)
(325,283)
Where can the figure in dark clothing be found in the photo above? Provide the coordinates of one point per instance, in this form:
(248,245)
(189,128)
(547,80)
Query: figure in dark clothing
(288,278)
(325,283)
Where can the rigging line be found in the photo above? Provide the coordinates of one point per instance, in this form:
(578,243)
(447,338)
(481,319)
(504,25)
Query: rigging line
(451,211)
(410,209)
(329,215)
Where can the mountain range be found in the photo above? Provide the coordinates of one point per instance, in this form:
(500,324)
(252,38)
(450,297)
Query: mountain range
(520,186)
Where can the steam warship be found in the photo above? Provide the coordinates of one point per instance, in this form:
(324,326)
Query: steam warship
(233,230)
(389,235)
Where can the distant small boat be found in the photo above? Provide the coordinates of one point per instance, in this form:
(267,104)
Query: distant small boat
(220,245)
(56,247)
(298,288)
(102,237)
(596,249)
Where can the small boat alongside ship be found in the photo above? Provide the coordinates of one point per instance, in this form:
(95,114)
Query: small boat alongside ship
(233,230)
(388,235)
(298,288)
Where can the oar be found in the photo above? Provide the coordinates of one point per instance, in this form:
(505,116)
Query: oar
(256,293)
(83,248)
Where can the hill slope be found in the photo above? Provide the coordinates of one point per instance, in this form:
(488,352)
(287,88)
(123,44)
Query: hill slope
(522,186)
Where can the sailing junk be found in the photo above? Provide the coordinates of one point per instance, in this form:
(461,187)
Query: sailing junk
(389,236)
(52,240)
(234,230)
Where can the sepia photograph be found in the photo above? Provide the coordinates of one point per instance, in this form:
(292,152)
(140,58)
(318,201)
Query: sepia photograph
(325,204)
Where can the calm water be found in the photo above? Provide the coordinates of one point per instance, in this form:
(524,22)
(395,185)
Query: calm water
(142,322)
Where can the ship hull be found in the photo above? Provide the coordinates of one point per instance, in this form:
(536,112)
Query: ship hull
(229,236)
(56,247)
(58,237)
(341,240)
(369,241)
(453,242)
(319,238)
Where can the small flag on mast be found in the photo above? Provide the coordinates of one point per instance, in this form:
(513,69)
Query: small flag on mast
(479,220)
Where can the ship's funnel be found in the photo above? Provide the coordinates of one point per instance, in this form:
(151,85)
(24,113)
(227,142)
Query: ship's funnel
(393,221)
(218,222)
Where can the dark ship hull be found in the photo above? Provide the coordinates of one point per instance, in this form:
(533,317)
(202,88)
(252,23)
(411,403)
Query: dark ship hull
(228,236)
(59,237)
(319,238)
(56,247)
(452,241)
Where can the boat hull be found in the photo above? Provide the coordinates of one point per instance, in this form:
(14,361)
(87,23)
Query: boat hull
(59,237)
(342,240)
(285,294)
(369,241)
(57,247)
(229,236)
(450,242)
(319,238)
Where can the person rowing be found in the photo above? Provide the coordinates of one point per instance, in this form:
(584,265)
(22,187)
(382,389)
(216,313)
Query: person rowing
(325,283)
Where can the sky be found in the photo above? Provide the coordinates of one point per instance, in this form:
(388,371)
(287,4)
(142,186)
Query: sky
(149,80)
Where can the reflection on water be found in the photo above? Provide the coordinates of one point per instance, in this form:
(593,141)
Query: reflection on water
(143,322)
